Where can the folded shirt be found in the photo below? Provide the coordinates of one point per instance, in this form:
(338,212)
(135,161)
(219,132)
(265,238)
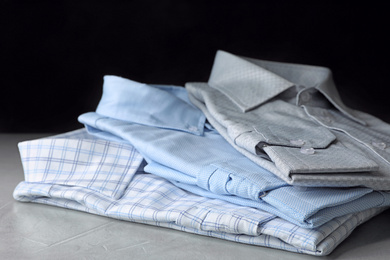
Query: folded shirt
(78,171)
(292,115)
(179,145)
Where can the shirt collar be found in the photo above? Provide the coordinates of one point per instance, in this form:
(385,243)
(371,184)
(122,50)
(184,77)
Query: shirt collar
(251,82)
(153,105)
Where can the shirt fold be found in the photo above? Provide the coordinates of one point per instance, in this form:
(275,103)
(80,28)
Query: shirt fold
(294,117)
(153,200)
(208,165)
(264,153)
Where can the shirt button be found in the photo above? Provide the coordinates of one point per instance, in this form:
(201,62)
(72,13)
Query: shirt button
(305,96)
(307,150)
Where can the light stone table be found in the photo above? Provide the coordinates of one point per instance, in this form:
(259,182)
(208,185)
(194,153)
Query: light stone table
(34,231)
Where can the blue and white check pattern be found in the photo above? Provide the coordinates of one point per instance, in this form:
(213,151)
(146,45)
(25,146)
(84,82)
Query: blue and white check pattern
(78,171)
(94,164)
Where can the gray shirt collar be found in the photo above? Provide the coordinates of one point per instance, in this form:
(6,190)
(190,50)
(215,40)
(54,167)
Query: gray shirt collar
(251,82)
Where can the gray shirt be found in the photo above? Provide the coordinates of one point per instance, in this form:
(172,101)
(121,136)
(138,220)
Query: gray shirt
(290,119)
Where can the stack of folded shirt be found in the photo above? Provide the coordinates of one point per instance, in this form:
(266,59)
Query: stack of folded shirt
(265,153)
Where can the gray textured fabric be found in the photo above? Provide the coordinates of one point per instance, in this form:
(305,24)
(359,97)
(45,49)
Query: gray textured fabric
(289,119)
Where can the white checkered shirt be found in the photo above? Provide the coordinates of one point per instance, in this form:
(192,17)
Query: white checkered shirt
(78,171)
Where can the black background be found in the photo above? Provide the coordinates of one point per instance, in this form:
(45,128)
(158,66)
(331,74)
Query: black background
(54,54)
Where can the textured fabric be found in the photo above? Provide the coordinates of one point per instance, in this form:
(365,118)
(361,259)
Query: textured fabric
(197,158)
(98,165)
(293,115)
(80,172)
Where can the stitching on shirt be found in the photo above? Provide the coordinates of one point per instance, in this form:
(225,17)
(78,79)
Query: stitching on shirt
(285,162)
(242,133)
(348,134)
(260,133)
(220,166)
(293,66)
(292,208)
(234,98)
(99,119)
(383,199)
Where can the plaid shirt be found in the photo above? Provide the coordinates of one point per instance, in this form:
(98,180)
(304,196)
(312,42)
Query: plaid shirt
(78,171)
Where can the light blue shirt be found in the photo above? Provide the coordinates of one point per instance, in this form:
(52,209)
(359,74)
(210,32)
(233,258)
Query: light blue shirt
(174,138)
